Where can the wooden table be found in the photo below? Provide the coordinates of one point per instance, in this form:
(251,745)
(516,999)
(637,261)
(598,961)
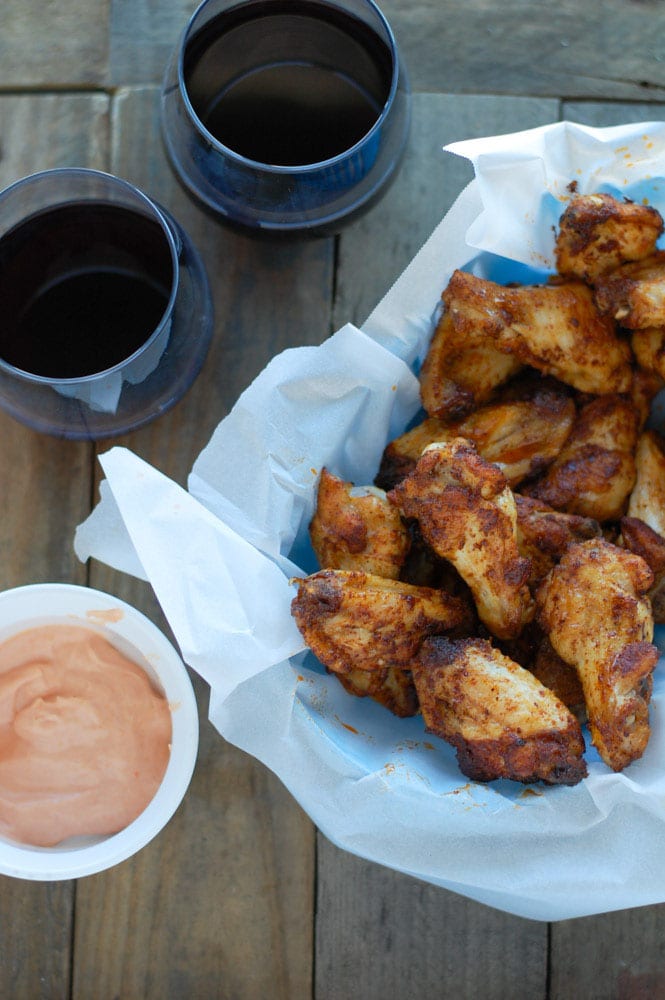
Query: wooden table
(239,897)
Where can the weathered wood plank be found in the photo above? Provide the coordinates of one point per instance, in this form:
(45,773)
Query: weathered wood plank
(600,49)
(383,935)
(376,249)
(144,33)
(608,49)
(44,492)
(221,903)
(54,44)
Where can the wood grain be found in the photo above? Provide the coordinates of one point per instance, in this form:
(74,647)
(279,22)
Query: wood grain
(45,491)
(604,49)
(383,935)
(54,44)
(221,903)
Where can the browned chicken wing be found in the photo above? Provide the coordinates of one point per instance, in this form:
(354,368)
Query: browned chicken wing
(544,534)
(594,608)
(356,621)
(639,538)
(501,720)
(390,686)
(647,500)
(595,471)
(597,233)
(522,437)
(643,529)
(649,349)
(466,512)
(462,368)
(557,675)
(555,328)
(357,528)
(634,294)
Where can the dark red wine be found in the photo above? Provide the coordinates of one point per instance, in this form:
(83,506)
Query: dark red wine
(287,83)
(82,287)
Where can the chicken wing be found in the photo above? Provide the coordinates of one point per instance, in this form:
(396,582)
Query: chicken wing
(352,620)
(466,512)
(500,719)
(544,534)
(522,437)
(597,233)
(557,675)
(647,383)
(649,349)
(595,470)
(639,538)
(594,608)
(392,687)
(647,500)
(554,328)
(463,366)
(357,528)
(634,294)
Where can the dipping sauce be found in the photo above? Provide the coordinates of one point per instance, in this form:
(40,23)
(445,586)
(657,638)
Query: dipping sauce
(84,736)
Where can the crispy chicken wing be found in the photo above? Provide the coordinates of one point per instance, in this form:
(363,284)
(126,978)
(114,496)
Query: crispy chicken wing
(392,687)
(352,620)
(647,500)
(544,534)
(594,608)
(649,349)
(522,437)
(555,328)
(466,512)
(501,720)
(357,528)
(634,294)
(646,386)
(462,367)
(597,233)
(639,538)
(560,677)
(595,470)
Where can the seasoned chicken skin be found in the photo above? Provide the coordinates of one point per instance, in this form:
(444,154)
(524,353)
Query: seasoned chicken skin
(639,538)
(649,349)
(594,608)
(501,720)
(357,528)
(560,677)
(392,687)
(643,529)
(462,367)
(634,294)
(598,232)
(356,621)
(466,512)
(595,471)
(555,328)
(647,500)
(522,437)
(544,534)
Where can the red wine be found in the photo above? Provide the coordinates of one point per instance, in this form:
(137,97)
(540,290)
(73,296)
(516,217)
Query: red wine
(287,84)
(82,287)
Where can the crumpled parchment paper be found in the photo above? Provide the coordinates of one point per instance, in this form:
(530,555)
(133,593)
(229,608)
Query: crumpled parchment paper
(220,556)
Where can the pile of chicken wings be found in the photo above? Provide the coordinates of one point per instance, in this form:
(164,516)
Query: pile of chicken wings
(503,573)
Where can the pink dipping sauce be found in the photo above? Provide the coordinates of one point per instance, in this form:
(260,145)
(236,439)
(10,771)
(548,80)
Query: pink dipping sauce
(84,736)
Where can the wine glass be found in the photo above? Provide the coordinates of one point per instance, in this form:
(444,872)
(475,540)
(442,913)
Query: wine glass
(286,116)
(107,312)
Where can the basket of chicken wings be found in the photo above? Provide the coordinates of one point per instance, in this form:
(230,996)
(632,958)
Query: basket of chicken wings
(504,574)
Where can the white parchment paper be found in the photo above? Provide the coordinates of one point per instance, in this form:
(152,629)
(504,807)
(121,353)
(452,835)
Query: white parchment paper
(220,555)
